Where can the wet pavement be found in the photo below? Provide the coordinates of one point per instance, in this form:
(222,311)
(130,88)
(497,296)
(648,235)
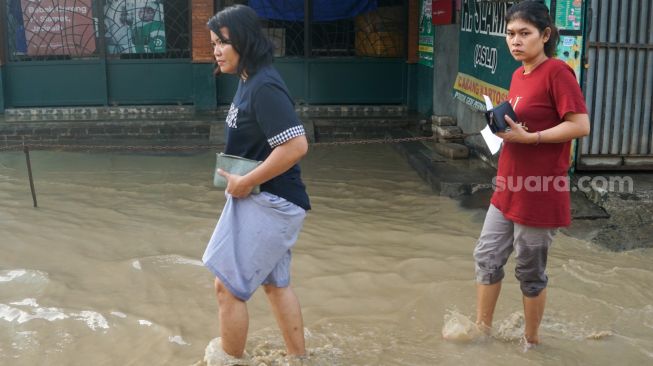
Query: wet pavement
(630,209)
(612,210)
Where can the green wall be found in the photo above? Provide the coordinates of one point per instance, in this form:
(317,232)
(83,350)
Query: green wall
(2,91)
(411,89)
(51,83)
(204,88)
(424,90)
(335,81)
(150,82)
(134,82)
(420,89)
(99,82)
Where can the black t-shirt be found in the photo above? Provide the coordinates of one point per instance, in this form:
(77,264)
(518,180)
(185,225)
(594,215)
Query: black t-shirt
(262,116)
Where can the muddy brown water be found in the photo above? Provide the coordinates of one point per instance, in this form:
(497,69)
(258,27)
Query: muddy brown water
(107,270)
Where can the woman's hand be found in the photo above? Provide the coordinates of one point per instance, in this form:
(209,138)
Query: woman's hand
(517,133)
(574,125)
(237,185)
(282,158)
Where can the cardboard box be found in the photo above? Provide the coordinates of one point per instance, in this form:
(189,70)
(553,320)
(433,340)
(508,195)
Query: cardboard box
(379,44)
(380,33)
(383,19)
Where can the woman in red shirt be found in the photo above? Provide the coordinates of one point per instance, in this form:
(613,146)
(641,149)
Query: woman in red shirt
(531,198)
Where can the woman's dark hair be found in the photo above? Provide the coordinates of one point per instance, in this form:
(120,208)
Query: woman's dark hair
(537,14)
(246,37)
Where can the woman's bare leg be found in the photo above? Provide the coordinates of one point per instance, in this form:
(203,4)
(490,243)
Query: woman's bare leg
(288,313)
(234,321)
(486,300)
(533,313)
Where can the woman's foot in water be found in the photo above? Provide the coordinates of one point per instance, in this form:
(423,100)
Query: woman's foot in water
(528,344)
(216,356)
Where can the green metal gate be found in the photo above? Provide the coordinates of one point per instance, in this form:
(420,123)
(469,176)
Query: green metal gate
(619,86)
(359,59)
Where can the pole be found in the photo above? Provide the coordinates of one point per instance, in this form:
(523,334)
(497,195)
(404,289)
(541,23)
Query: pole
(308,36)
(29,173)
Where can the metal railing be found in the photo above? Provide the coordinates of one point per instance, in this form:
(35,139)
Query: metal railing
(620,81)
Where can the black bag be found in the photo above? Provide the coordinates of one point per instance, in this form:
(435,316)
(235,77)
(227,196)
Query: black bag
(495,117)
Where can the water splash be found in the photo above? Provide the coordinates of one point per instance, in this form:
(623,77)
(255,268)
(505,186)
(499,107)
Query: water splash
(178,340)
(215,356)
(7,276)
(26,302)
(10,314)
(268,350)
(460,328)
(511,329)
(599,335)
(93,320)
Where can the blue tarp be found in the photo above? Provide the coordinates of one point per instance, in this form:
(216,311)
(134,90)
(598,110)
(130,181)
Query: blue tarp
(15,11)
(323,10)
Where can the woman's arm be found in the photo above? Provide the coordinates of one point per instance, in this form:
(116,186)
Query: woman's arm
(575,125)
(282,158)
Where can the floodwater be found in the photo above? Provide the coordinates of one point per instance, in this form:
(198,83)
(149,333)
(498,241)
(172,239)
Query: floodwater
(107,270)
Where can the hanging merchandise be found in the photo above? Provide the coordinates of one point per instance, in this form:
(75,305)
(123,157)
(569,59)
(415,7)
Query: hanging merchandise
(568,14)
(426,34)
(16,28)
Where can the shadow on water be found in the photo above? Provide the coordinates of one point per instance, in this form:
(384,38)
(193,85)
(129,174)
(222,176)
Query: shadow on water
(477,200)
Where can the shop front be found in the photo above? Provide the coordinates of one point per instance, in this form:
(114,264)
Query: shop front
(57,53)
(96,52)
(344,52)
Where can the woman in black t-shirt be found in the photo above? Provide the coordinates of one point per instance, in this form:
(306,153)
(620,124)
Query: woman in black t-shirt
(251,242)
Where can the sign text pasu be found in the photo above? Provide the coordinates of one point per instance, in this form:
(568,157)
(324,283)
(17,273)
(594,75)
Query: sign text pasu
(484,17)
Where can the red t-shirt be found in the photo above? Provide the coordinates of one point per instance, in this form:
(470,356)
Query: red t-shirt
(532,186)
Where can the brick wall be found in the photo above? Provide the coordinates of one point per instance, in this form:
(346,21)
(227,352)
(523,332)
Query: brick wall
(160,125)
(114,133)
(201,11)
(413,31)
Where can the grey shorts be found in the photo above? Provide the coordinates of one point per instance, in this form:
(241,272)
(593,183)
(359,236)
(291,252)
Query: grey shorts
(251,243)
(499,238)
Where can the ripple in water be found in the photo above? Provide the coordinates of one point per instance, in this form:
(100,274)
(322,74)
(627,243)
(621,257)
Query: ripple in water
(460,328)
